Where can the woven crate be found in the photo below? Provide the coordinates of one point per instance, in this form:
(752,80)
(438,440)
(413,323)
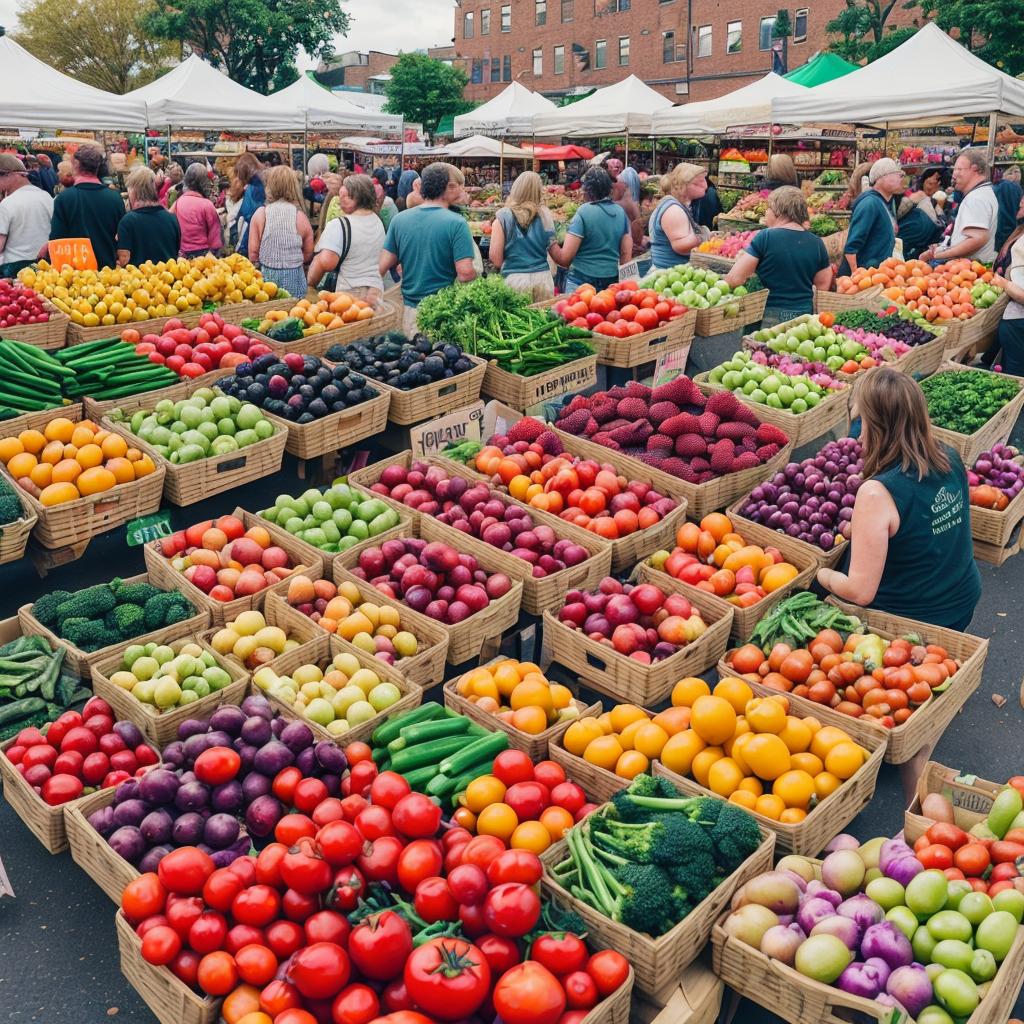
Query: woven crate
(996,430)
(658,962)
(168,997)
(827,818)
(616,1008)
(798,999)
(741,523)
(95,410)
(524,392)
(715,320)
(50,335)
(46,823)
(186,484)
(976,334)
(38,420)
(627,679)
(971,797)
(77,334)
(14,536)
(990,527)
(433,400)
(745,619)
(800,428)
(166,576)
(712,261)
(91,852)
(161,727)
(81,662)
(639,349)
(233,311)
(321,652)
(700,498)
(337,430)
(599,783)
(838,302)
(384,319)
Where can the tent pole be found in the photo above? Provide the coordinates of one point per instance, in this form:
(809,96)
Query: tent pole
(501,168)
(654,156)
(991,151)
(168,144)
(770,137)
(305,142)
(627,146)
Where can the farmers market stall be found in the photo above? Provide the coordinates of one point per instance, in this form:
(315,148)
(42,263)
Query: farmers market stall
(511,112)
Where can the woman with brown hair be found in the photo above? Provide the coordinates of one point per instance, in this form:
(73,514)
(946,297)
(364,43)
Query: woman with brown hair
(911,552)
(246,168)
(280,235)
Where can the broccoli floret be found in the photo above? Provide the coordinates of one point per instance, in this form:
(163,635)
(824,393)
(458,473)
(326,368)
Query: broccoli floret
(45,609)
(126,620)
(133,593)
(643,898)
(91,603)
(735,836)
(10,507)
(165,608)
(671,839)
(87,634)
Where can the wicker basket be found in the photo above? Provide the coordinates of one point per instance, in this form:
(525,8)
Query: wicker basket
(658,962)
(997,429)
(385,319)
(233,311)
(745,619)
(598,783)
(38,420)
(967,337)
(800,428)
(971,797)
(827,818)
(95,410)
(616,1008)
(90,851)
(525,392)
(715,320)
(433,400)
(166,576)
(14,536)
(337,430)
(167,996)
(741,523)
(77,334)
(991,530)
(700,498)
(712,261)
(81,662)
(838,302)
(798,999)
(536,745)
(46,823)
(627,679)
(50,335)
(639,349)
(161,727)
(186,484)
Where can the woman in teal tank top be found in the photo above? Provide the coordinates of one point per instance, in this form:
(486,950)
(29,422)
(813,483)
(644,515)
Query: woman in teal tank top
(911,551)
(673,229)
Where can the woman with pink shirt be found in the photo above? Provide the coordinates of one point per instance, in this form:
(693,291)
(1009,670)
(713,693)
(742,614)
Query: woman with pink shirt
(197,216)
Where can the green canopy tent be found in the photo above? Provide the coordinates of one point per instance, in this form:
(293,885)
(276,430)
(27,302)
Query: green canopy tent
(820,69)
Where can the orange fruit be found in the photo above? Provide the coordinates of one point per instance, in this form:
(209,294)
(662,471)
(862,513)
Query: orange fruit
(557,820)
(561,696)
(795,788)
(52,453)
(628,735)
(531,720)
(844,760)
(630,764)
(59,429)
(792,816)
(625,714)
(742,729)
(82,435)
(42,474)
(724,777)
(66,471)
(717,524)
(679,751)
(825,783)
(673,720)
(751,785)
(532,836)
(687,690)
(736,691)
(57,494)
(9,447)
(825,739)
(580,734)
(123,470)
(506,677)
(770,806)
(95,481)
(766,715)
(807,762)
(702,763)
(21,465)
(796,735)
(497,820)
(113,446)
(133,455)
(484,791)
(650,739)
(532,694)
(260,535)
(70,451)
(32,441)
(89,456)
(766,756)
(604,752)
(713,719)
(735,750)
(743,798)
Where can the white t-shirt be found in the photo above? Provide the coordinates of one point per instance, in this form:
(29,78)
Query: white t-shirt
(978,209)
(25,220)
(359,267)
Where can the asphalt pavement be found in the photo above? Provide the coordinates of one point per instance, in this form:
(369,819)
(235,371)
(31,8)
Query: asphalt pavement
(60,962)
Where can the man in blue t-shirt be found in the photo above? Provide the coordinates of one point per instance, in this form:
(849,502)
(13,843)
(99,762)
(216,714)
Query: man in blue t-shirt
(432,244)
(872,234)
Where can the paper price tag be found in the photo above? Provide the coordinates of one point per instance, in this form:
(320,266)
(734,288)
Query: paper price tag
(73,252)
(454,428)
(147,528)
(629,271)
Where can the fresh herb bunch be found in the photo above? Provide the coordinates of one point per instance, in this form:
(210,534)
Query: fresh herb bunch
(450,314)
(965,400)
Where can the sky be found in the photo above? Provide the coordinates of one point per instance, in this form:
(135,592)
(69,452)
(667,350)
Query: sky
(388,25)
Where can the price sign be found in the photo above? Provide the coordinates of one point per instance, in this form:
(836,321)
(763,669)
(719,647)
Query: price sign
(629,271)
(670,365)
(147,528)
(72,252)
(454,428)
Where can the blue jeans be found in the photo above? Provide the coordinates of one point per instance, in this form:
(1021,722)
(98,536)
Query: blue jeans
(1011,340)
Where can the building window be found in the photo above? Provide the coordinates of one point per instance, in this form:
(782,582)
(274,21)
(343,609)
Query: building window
(734,37)
(600,54)
(495,69)
(506,18)
(506,69)
(559,60)
(704,41)
(800,26)
(485,21)
(764,39)
(467,25)
(668,47)
(540,12)
(623,51)
(620,5)
(538,63)
(477,75)
(567,11)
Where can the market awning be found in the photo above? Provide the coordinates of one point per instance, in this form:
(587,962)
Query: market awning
(821,68)
(480,146)
(511,112)
(331,110)
(626,106)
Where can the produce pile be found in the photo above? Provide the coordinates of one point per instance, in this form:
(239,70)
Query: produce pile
(225,560)
(766,385)
(618,312)
(831,179)
(996,477)
(191,352)
(794,366)
(698,288)
(10,505)
(729,246)
(955,290)
(713,556)
(450,314)
(120,295)
(653,855)
(857,673)
(249,640)
(674,428)
(67,460)
(79,753)
(828,202)
(375,629)
(965,400)
(627,618)
(330,311)
(157,675)
(729,197)
(582,491)
(873,921)
(110,613)
(811,500)
(35,688)
(298,388)
(206,425)
(332,520)
(824,225)
(20,305)
(531,341)
(897,324)
(432,578)
(401,362)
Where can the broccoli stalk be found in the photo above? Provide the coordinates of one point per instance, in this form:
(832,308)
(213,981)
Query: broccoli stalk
(668,840)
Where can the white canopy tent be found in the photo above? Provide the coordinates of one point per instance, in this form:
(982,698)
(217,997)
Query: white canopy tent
(323,109)
(35,96)
(196,95)
(481,146)
(628,106)
(511,112)
(750,104)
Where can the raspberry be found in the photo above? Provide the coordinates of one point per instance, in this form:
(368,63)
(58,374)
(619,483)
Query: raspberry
(551,443)
(703,478)
(733,431)
(527,429)
(633,434)
(744,414)
(699,464)
(591,427)
(576,422)
(579,402)
(707,424)
(617,392)
(662,411)
(689,445)
(682,391)
(768,433)
(632,408)
(745,460)
(634,389)
(656,441)
(722,458)
(723,403)
(615,423)
(684,423)
(604,410)
(749,444)
(767,452)
(678,468)
(602,437)
(656,459)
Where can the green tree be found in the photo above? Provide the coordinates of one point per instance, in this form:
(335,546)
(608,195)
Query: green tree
(424,90)
(858,27)
(994,32)
(99,42)
(782,29)
(256,42)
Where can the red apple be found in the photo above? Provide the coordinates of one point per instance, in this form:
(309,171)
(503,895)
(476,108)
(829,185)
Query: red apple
(246,551)
(275,558)
(222,593)
(250,582)
(203,577)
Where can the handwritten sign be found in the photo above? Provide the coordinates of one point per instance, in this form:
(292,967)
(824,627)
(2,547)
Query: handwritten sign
(670,365)
(629,271)
(568,383)
(72,252)
(454,428)
(147,528)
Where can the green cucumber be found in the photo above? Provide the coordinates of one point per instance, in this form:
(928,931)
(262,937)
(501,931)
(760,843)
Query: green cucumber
(426,753)
(486,746)
(390,729)
(20,709)
(422,732)
(418,778)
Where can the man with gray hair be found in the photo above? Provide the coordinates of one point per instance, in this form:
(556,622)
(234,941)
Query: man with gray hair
(24,216)
(977,216)
(432,244)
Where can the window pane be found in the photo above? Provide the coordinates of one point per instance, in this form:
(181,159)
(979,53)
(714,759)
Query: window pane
(559,60)
(623,5)
(540,12)
(800,26)
(538,62)
(506,18)
(765,38)
(506,69)
(495,69)
(734,37)
(477,73)
(485,22)
(467,25)
(668,47)
(704,41)
(567,10)
(601,53)
(623,51)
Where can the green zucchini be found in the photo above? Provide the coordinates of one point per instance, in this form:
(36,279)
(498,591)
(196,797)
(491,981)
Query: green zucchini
(422,732)
(488,746)
(426,753)
(418,778)
(20,709)
(391,729)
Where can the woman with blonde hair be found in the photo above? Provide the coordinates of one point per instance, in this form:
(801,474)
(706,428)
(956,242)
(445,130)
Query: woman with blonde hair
(245,170)
(673,227)
(280,235)
(780,171)
(147,231)
(522,236)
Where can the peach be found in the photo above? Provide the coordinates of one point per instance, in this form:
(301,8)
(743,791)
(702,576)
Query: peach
(301,590)
(201,556)
(214,539)
(228,577)
(324,589)
(260,535)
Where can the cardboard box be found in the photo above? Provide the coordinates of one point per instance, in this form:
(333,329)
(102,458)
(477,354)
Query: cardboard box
(697,999)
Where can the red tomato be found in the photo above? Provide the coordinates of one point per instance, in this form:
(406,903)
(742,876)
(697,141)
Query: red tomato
(283,786)
(293,827)
(455,837)
(419,860)
(308,795)
(374,822)
(511,910)
(580,988)
(395,996)
(208,932)
(529,994)
(472,920)
(184,871)
(143,896)
(434,901)
(1017,781)
(150,922)
(512,766)
(349,886)
(327,811)
(954,874)
(182,912)
(453,857)
(529,800)
(1003,851)
(217,765)
(298,906)
(186,967)
(258,905)
(352,805)
(380,945)
(387,789)
(468,884)
(357,1004)
(947,834)
(339,842)
(320,971)
(417,816)
(243,935)
(284,937)
(568,795)
(221,888)
(481,850)
(361,775)
(609,969)
(1003,871)
(515,866)
(501,953)
(256,965)
(327,926)
(936,855)
(304,870)
(279,996)
(971,859)
(379,863)
(448,978)
(358,751)
(160,945)
(561,953)
(217,973)
(245,868)
(268,864)
(295,1016)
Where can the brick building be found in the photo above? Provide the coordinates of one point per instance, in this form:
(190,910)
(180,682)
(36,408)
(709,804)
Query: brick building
(565,46)
(360,72)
